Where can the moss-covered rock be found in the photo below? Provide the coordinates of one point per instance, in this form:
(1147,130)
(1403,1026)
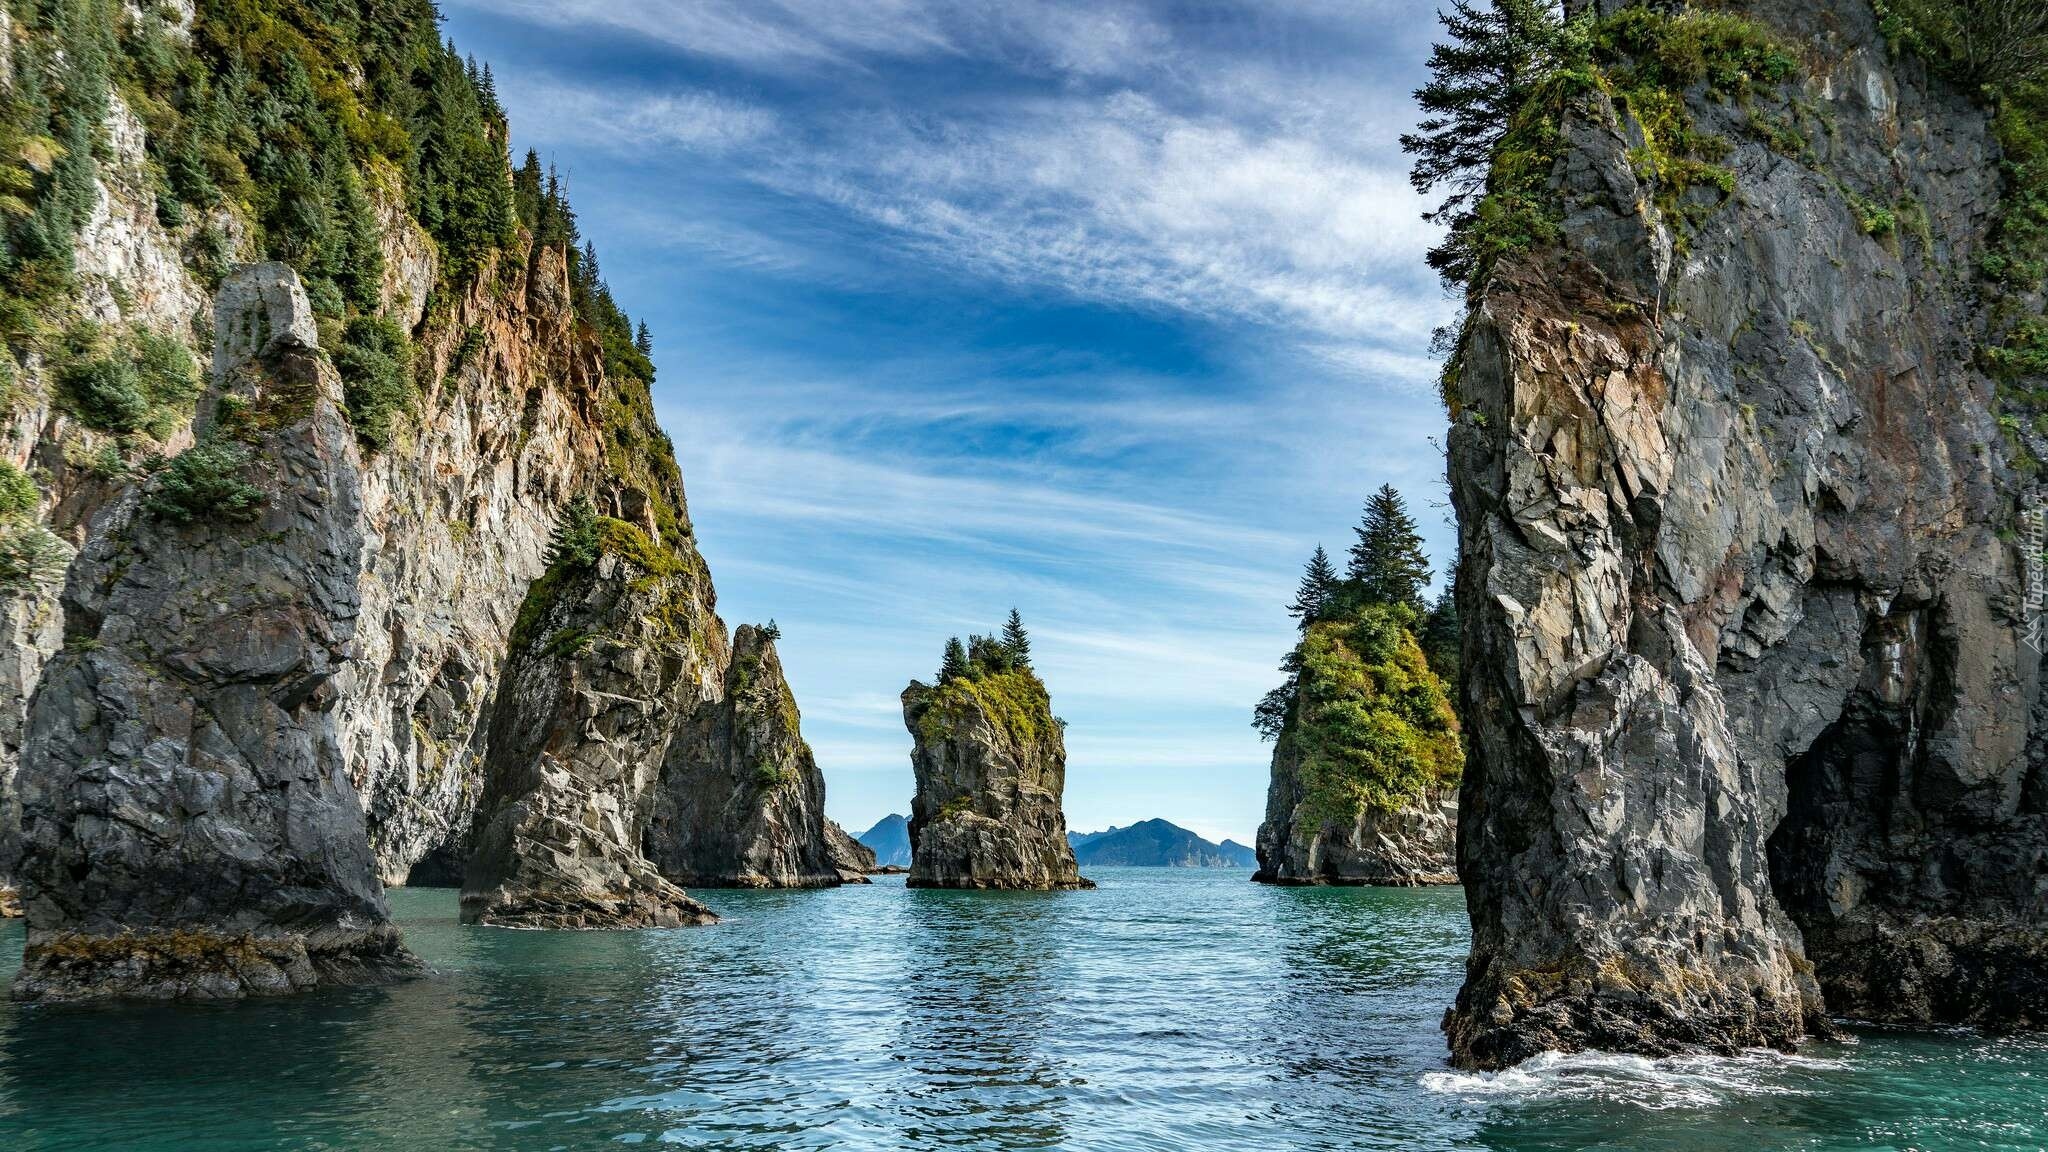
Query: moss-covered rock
(1366,763)
(991,765)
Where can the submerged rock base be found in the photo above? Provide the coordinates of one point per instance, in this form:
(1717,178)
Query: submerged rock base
(195,964)
(1410,848)
(969,850)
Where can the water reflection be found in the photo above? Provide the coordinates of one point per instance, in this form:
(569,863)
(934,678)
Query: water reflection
(984,980)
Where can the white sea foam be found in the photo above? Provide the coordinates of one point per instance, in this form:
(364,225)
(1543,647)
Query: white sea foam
(1673,1082)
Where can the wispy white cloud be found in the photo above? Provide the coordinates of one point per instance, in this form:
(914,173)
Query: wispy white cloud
(777,33)
(1242,194)
(1117,198)
(633,122)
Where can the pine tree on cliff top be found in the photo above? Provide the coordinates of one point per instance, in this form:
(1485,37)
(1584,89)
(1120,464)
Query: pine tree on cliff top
(1015,639)
(1318,585)
(1387,563)
(1439,637)
(955,665)
(1498,52)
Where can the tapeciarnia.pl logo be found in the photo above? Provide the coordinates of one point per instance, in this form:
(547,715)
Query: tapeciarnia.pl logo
(2033,542)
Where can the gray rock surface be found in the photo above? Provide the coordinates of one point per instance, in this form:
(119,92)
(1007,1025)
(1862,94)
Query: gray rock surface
(1750,712)
(851,857)
(128,272)
(991,766)
(582,716)
(190,829)
(741,803)
(1417,845)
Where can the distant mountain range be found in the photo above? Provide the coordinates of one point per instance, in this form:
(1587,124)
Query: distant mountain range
(890,838)
(1146,844)
(1157,844)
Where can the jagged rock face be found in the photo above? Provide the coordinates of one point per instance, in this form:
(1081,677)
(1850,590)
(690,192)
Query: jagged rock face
(459,515)
(128,266)
(31,630)
(128,271)
(1735,601)
(851,857)
(1414,845)
(582,716)
(991,767)
(741,802)
(191,831)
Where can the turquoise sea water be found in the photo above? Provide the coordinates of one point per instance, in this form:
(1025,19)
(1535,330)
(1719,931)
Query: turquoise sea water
(1164,1010)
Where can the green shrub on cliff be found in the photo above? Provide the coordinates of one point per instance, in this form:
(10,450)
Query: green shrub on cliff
(29,552)
(375,364)
(1015,702)
(136,381)
(1372,725)
(1363,713)
(1501,86)
(205,482)
(992,674)
(1998,49)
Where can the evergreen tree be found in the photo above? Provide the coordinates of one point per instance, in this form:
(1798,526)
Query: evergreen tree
(1387,565)
(1270,717)
(1439,636)
(1498,52)
(1015,640)
(643,340)
(771,630)
(955,665)
(1312,597)
(988,656)
(574,543)
(527,192)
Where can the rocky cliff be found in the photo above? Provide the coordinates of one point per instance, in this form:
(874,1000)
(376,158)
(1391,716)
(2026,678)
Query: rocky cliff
(603,661)
(190,829)
(483,380)
(1415,843)
(740,802)
(991,766)
(1751,696)
(1365,759)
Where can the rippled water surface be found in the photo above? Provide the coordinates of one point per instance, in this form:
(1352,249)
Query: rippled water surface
(1166,1009)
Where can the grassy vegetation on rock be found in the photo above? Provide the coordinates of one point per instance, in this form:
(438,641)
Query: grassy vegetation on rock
(1372,726)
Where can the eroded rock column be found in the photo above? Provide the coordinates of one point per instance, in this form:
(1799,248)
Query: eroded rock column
(189,827)
(604,660)
(991,764)
(741,802)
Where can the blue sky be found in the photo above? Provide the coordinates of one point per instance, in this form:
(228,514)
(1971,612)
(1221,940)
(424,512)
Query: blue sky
(1110,310)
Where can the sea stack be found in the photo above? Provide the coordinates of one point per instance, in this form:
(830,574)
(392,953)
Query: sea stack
(190,824)
(604,656)
(741,803)
(991,764)
(1366,754)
